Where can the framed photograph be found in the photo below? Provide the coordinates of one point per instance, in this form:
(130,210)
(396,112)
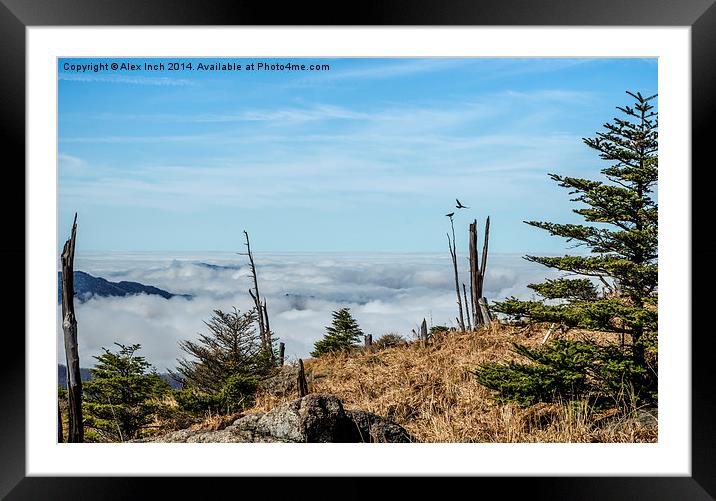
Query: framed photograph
(284,182)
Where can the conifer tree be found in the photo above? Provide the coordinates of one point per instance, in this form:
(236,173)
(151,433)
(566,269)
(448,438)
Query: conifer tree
(342,335)
(231,347)
(622,239)
(121,398)
(613,288)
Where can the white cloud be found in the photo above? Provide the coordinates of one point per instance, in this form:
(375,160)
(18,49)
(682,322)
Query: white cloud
(286,116)
(386,293)
(390,69)
(70,161)
(127,79)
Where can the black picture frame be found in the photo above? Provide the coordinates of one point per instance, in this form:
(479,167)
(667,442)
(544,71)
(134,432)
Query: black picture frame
(17,15)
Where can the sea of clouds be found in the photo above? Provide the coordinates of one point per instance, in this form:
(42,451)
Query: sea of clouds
(385,293)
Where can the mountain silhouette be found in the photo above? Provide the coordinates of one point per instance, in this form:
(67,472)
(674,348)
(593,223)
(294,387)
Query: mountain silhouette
(86,376)
(87,286)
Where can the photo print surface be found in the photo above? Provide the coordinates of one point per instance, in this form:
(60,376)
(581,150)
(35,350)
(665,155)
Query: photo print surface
(358,249)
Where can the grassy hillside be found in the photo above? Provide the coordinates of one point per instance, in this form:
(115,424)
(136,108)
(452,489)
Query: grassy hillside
(431,392)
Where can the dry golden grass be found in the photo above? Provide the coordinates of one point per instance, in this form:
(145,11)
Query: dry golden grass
(432,393)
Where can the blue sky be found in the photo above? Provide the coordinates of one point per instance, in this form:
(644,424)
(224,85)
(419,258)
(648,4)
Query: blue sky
(367,156)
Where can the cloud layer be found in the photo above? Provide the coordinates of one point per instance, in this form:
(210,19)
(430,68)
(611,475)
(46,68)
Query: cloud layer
(385,292)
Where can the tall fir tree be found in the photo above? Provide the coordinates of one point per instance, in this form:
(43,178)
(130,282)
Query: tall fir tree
(621,234)
(342,335)
(623,242)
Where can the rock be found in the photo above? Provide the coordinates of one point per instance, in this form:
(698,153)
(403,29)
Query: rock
(191,436)
(645,419)
(313,418)
(248,422)
(373,428)
(282,421)
(649,418)
(322,419)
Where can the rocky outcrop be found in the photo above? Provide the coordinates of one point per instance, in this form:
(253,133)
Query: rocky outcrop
(313,418)
(373,428)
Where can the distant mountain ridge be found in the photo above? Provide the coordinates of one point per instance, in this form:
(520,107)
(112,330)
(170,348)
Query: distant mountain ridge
(218,266)
(86,376)
(87,286)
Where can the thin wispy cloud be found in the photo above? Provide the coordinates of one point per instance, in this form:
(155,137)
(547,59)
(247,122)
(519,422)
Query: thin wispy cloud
(127,79)
(401,121)
(552,95)
(387,69)
(181,138)
(70,161)
(510,68)
(288,116)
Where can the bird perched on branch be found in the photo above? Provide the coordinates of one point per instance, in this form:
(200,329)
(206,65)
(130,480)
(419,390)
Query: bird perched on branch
(460,206)
(450,215)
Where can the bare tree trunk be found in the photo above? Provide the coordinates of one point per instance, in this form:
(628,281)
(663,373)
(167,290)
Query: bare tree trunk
(259,318)
(483,265)
(281,351)
(269,341)
(75,431)
(480,312)
(467,307)
(302,383)
(261,312)
(453,254)
(474,275)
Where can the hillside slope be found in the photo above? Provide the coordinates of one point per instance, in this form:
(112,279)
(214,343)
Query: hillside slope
(431,392)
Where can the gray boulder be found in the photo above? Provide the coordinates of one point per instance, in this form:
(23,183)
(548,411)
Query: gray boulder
(313,418)
(373,428)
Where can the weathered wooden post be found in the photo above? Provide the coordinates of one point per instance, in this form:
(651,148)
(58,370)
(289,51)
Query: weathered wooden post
(302,383)
(485,312)
(281,351)
(367,341)
(424,332)
(75,429)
